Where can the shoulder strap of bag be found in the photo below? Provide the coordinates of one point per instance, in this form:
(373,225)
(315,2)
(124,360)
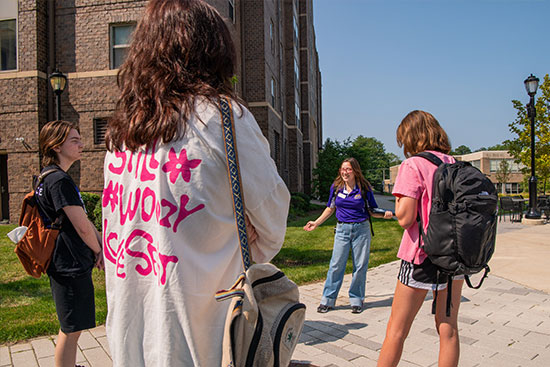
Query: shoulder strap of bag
(37,180)
(228,131)
(438,162)
(367,206)
(431,157)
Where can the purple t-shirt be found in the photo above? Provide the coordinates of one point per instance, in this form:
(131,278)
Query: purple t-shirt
(350,206)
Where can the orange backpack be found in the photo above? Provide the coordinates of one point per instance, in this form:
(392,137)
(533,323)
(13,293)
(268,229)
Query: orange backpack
(37,244)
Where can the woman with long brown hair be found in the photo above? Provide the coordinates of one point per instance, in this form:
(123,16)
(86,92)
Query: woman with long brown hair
(170,237)
(350,198)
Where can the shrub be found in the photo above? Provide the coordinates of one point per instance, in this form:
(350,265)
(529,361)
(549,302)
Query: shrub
(294,213)
(299,203)
(90,202)
(306,197)
(299,206)
(98,216)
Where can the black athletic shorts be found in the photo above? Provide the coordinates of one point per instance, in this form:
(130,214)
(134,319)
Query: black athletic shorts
(74,301)
(423,276)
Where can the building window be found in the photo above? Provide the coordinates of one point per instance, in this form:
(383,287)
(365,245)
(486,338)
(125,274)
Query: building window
(297,115)
(273,90)
(281,50)
(8,44)
(285,144)
(271,27)
(120,41)
(295,26)
(231,8)
(296,74)
(276,147)
(100,127)
(513,188)
(476,164)
(493,164)
(512,166)
(515,167)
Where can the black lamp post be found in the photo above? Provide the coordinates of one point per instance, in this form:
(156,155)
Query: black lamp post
(531,85)
(58,81)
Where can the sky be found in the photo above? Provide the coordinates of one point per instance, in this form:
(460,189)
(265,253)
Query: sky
(464,61)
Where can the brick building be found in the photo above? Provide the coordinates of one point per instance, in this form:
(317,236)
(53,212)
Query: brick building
(277,71)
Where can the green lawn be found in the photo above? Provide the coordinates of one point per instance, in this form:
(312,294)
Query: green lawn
(27,309)
(305,255)
(26,305)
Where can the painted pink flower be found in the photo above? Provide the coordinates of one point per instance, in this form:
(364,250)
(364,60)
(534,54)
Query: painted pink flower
(181,164)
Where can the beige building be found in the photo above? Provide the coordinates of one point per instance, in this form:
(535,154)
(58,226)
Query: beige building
(488,162)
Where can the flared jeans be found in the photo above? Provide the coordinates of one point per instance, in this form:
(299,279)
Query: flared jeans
(357,237)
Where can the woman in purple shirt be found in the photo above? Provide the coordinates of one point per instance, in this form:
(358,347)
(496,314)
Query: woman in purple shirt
(349,194)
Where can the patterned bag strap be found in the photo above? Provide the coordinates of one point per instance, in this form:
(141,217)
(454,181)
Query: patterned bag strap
(231,155)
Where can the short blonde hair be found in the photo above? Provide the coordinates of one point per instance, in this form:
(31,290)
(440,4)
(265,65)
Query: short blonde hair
(420,131)
(52,135)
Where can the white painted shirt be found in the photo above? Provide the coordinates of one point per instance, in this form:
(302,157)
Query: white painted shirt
(170,239)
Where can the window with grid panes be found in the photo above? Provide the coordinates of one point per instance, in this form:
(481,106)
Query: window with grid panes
(8,44)
(8,34)
(120,41)
(273,91)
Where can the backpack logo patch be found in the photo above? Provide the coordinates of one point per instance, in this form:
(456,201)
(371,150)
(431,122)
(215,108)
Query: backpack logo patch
(289,337)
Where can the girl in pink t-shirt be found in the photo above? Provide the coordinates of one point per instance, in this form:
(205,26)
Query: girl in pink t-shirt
(419,131)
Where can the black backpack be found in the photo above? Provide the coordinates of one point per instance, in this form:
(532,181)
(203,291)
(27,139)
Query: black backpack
(461,233)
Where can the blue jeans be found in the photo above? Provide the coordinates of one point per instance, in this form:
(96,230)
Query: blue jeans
(357,237)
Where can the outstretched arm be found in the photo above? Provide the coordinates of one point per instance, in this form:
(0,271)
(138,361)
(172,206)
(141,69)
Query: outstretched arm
(311,225)
(388,214)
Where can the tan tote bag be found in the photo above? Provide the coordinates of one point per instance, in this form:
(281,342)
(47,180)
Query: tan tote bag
(265,318)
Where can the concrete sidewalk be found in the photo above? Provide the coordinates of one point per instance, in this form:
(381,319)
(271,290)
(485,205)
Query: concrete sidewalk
(505,323)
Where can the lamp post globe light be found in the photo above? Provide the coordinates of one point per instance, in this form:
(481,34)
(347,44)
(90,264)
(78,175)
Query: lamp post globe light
(58,82)
(531,85)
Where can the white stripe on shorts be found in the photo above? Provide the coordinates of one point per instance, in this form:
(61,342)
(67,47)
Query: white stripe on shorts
(405,277)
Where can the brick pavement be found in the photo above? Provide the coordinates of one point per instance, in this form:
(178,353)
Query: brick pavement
(503,324)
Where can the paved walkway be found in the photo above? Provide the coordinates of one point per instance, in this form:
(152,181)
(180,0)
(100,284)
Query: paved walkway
(506,323)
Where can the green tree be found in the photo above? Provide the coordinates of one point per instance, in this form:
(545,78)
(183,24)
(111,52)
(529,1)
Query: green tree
(460,150)
(520,147)
(369,152)
(503,174)
(500,146)
(374,161)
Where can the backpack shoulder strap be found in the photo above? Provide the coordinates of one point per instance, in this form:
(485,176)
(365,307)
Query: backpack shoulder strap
(431,157)
(37,180)
(438,162)
(364,191)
